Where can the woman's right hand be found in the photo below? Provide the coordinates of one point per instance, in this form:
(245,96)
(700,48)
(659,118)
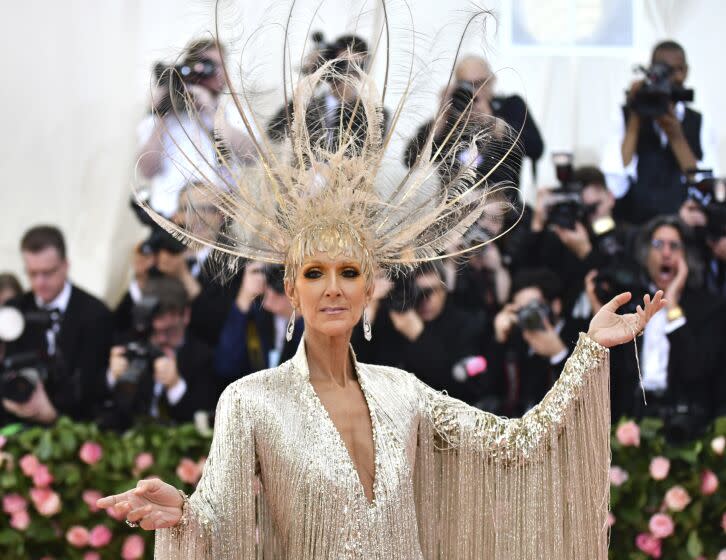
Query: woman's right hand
(153,504)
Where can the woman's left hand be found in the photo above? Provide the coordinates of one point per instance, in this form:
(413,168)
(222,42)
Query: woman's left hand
(610,329)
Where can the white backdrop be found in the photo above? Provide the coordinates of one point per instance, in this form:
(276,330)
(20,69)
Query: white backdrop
(76,78)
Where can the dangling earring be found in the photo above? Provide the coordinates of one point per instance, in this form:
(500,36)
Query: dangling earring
(367,330)
(290,327)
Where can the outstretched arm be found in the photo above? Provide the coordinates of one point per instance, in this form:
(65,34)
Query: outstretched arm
(219,518)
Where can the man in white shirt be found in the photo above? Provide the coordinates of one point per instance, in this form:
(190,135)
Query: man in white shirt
(176,380)
(186,145)
(72,349)
(646,158)
(682,348)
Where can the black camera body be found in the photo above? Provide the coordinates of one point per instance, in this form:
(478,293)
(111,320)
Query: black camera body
(329,52)
(177,77)
(653,99)
(405,294)
(463,96)
(565,207)
(531,317)
(141,356)
(140,352)
(21,372)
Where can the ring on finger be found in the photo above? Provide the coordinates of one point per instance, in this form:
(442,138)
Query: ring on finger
(131,524)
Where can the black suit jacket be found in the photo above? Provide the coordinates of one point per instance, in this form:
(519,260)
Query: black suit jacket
(195,362)
(512,110)
(453,335)
(695,365)
(518,379)
(84,342)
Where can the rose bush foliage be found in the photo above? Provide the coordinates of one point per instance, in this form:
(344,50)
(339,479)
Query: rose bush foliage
(667,501)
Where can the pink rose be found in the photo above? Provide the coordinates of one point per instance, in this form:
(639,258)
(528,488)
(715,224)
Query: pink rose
(709,482)
(618,476)
(45,501)
(20,520)
(13,503)
(659,468)
(28,464)
(648,544)
(661,526)
(188,471)
(113,513)
(90,453)
(90,497)
(3,441)
(100,536)
(143,461)
(77,536)
(611,519)
(628,434)
(676,499)
(718,444)
(91,555)
(721,555)
(723,522)
(42,477)
(133,548)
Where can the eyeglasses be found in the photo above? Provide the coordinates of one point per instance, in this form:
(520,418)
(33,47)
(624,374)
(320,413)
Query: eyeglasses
(167,332)
(660,244)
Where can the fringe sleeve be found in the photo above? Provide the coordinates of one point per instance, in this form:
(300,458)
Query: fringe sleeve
(528,488)
(221,512)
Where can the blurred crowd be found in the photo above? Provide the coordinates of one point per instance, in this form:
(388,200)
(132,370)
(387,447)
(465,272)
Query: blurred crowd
(494,330)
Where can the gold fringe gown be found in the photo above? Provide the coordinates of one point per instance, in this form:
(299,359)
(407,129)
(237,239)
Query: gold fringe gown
(451,482)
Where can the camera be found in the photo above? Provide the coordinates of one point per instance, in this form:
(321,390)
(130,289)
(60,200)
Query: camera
(653,99)
(565,207)
(704,188)
(531,317)
(406,294)
(140,353)
(463,96)
(327,52)
(20,373)
(176,77)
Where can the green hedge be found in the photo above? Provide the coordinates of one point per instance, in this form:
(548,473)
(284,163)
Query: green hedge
(50,478)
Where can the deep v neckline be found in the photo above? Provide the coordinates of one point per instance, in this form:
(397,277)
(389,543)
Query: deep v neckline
(341,442)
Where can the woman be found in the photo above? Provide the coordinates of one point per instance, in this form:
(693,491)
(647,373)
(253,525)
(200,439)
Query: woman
(326,458)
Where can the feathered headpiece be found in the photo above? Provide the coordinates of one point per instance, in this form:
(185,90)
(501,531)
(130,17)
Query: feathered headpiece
(329,186)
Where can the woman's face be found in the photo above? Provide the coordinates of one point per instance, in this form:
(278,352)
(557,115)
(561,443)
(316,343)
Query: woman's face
(330,293)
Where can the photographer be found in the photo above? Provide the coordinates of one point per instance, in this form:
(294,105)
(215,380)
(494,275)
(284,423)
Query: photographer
(681,350)
(475,85)
(532,340)
(160,370)
(715,274)
(658,140)
(209,290)
(142,263)
(332,111)
(70,347)
(483,282)
(573,231)
(253,337)
(416,328)
(173,133)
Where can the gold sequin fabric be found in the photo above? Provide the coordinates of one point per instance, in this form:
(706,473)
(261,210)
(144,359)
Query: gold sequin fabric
(450,481)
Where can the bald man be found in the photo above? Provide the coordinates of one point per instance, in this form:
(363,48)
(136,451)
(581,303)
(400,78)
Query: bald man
(474,73)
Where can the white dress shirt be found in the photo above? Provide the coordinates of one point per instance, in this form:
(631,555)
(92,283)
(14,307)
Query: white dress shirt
(656,350)
(188,149)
